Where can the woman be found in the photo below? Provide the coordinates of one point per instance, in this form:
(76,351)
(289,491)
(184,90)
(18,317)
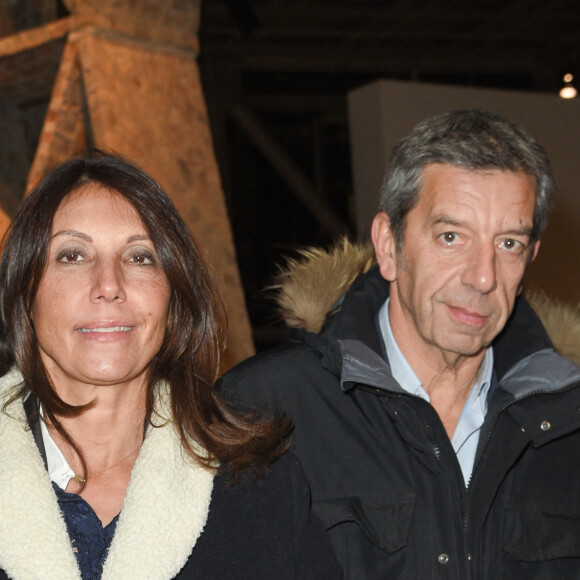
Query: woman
(117,457)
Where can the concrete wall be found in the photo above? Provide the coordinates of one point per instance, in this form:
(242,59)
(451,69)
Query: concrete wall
(384,111)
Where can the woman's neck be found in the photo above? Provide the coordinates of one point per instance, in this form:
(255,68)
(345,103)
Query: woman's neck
(109,435)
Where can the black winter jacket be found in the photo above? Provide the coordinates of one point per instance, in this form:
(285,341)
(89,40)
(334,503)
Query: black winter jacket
(384,477)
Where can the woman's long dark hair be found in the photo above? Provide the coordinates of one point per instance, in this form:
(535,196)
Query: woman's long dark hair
(190,355)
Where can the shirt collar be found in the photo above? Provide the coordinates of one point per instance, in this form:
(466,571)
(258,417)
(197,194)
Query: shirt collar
(59,470)
(483,383)
(400,368)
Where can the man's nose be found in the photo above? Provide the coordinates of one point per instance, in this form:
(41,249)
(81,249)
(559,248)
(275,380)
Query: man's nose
(480,269)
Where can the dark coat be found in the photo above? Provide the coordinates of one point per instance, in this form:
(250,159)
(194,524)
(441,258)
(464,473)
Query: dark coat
(384,477)
(179,520)
(263,530)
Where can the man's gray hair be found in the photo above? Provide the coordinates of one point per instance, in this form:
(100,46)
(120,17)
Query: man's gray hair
(473,140)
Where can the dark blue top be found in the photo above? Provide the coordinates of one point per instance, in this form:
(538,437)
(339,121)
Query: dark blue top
(90,541)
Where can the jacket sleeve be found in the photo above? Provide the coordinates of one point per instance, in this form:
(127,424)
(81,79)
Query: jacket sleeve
(263,529)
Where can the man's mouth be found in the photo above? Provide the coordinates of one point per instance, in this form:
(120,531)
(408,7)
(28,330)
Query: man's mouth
(468,316)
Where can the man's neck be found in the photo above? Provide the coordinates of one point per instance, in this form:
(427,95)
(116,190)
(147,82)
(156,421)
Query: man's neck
(446,378)
(449,390)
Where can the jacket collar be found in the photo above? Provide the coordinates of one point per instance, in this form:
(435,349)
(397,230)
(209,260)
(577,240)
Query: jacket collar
(351,320)
(522,336)
(355,316)
(164,512)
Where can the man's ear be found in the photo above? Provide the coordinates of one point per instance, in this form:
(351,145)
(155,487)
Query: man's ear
(385,245)
(532,257)
(534,251)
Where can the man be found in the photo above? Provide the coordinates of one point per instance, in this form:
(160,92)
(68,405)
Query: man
(439,429)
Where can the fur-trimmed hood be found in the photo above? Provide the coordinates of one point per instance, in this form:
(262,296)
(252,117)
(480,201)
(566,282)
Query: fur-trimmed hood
(308,287)
(165,509)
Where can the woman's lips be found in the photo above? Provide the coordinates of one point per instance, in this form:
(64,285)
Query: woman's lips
(104,329)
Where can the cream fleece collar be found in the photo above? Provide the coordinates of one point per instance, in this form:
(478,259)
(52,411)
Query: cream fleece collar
(164,513)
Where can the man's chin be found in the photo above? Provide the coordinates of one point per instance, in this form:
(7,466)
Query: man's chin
(470,350)
(465,345)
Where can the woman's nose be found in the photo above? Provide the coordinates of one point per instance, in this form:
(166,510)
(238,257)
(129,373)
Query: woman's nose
(107,284)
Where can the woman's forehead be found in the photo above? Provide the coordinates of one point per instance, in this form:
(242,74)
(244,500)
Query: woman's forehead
(96,203)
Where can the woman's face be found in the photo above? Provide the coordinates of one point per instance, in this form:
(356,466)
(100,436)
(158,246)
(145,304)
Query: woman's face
(100,313)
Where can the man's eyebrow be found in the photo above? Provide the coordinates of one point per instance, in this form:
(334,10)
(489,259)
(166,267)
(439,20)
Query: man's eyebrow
(523,231)
(446,219)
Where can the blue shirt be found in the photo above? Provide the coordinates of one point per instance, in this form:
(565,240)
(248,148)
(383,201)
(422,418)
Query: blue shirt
(466,435)
(90,541)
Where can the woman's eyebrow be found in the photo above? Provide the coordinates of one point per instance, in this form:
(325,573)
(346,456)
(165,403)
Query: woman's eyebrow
(138,238)
(73,234)
(77,234)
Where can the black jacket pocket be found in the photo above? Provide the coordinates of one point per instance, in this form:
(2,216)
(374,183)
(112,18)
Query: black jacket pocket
(385,522)
(538,533)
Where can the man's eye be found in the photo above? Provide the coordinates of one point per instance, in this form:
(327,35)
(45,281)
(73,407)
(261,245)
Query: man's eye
(512,245)
(449,238)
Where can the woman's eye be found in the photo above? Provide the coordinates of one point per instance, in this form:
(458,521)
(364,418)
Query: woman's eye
(142,259)
(70,257)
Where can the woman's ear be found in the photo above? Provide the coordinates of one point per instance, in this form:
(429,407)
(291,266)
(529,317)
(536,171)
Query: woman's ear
(385,245)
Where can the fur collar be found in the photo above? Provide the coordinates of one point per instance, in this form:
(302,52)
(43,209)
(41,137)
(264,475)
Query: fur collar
(308,287)
(164,513)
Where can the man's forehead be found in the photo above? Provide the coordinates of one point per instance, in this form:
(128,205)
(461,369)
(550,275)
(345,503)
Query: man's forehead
(446,187)
(431,168)
(443,176)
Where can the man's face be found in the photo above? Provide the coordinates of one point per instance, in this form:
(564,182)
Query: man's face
(465,248)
